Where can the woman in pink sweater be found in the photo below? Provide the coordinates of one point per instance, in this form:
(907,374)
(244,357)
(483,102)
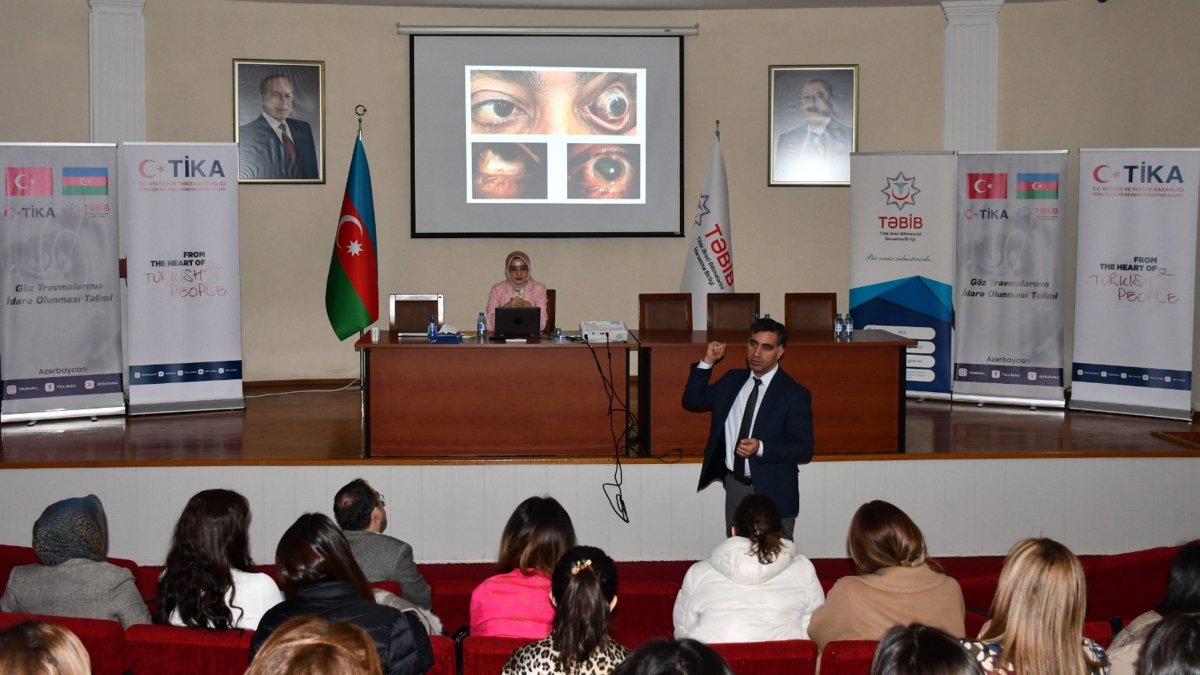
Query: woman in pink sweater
(516,602)
(896,582)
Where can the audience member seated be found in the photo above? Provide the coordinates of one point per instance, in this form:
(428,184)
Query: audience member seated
(1182,596)
(681,657)
(895,583)
(584,593)
(754,586)
(1173,647)
(922,650)
(516,602)
(70,540)
(312,645)
(39,648)
(319,576)
(360,512)
(209,579)
(1037,616)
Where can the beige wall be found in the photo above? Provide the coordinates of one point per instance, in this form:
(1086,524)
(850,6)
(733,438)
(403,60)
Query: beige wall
(1127,74)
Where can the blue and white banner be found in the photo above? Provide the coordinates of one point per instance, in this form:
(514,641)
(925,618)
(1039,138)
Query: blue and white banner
(185,334)
(902,257)
(60,326)
(1009,295)
(1135,281)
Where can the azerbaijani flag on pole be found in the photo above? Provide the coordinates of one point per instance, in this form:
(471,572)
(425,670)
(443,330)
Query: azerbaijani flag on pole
(352,290)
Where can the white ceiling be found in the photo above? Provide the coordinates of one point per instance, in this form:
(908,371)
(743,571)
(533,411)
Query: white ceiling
(629,4)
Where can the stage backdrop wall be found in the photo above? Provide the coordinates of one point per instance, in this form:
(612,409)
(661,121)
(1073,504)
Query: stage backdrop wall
(60,325)
(456,512)
(1135,281)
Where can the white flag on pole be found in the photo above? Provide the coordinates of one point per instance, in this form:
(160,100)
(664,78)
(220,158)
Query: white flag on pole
(708,267)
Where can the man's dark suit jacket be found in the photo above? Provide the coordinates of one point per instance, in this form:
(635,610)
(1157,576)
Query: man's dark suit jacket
(263,155)
(784,426)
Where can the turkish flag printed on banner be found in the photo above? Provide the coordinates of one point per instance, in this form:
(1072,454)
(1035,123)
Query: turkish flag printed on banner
(28,181)
(987,186)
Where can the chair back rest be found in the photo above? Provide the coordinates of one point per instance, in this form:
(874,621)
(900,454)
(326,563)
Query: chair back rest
(408,313)
(848,657)
(796,657)
(103,639)
(187,651)
(445,662)
(487,655)
(551,301)
(731,311)
(665,311)
(809,311)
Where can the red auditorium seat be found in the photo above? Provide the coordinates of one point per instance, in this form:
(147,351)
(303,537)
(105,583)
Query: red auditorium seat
(795,657)
(187,651)
(444,660)
(103,639)
(487,655)
(848,657)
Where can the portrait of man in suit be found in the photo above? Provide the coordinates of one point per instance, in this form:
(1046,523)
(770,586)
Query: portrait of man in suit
(812,128)
(276,143)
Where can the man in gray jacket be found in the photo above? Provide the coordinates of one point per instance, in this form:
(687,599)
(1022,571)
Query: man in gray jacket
(359,510)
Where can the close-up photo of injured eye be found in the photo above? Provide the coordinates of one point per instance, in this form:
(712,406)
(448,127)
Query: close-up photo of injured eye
(609,104)
(603,171)
(508,171)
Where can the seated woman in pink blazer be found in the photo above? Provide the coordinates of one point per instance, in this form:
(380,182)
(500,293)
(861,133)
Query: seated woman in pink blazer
(516,602)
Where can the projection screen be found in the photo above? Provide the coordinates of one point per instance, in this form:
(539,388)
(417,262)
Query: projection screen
(546,136)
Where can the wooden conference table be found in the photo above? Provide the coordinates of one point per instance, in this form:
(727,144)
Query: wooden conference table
(548,399)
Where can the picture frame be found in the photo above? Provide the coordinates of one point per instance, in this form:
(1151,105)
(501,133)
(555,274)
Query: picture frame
(813,124)
(286,92)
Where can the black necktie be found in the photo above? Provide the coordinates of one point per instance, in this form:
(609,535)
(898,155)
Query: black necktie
(739,462)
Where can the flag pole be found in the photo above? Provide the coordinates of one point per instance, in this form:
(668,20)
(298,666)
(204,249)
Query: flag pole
(718,130)
(360,110)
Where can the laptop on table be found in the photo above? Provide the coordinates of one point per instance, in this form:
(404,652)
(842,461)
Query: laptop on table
(517,322)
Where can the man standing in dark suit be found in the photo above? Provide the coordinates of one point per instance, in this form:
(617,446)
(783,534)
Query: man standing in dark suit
(758,454)
(276,145)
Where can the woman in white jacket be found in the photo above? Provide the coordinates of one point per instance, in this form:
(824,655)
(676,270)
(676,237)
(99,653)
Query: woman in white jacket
(754,586)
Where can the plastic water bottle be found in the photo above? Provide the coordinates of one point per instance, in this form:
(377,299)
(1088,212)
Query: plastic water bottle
(432,330)
(848,326)
(838,326)
(481,327)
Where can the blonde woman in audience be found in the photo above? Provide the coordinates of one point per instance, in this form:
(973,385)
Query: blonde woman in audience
(516,602)
(1037,616)
(39,648)
(584,592)
(896,582)
(209,580)
(312,645)
(1182,596)
(70,539)
(753,587)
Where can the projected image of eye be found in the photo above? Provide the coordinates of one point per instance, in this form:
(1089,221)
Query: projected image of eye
(553,102)
(603,171)
(508,170)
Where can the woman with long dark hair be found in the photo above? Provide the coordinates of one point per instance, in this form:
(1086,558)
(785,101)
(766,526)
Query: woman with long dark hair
(896,582)
(584,592)
(1182,597)
(320,576)
(209,579)
(515,602)
(755,586)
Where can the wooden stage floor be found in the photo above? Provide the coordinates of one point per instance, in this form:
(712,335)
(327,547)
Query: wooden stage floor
(322,425)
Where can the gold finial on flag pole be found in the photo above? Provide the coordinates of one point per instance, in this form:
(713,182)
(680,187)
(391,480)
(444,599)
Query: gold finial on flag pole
(360,110)
(718,130)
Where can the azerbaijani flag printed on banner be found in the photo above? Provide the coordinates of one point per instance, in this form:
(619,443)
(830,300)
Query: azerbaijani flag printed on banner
(85,180)
(1037,186)
(28,181)
(352,290)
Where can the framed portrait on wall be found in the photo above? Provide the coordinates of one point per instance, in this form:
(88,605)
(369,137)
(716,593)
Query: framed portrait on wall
(279,120)
(813,124)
